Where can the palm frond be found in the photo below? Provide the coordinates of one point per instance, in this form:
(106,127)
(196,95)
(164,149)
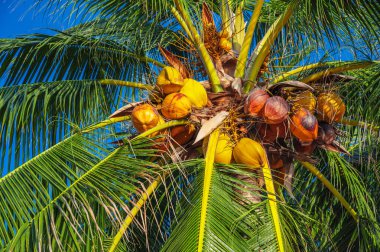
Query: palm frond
(318,201)
(30,59)
(94,181)
(222,231)
(34,116)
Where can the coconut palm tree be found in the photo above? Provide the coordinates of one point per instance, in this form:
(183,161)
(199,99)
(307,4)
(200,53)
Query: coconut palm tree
(193,125)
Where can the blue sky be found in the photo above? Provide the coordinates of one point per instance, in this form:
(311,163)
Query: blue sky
(18,17)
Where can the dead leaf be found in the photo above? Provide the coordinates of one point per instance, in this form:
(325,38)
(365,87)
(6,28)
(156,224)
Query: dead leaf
(210,125)
(294,84)
(288,181)
(237,85)
(206,84)
(207,19)
(229,66)
(175,62)
(335,146)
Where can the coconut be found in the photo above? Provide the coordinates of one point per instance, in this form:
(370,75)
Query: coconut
(280,130)
(249,152)
(145,117)
(306,149)
(170,80)
(225,44)
(330,107)
(195,92)
(275,110)
(266,133)
(306,100)
(272,132)
(326,133)
(176,106)
(255,101)
(275,161)
(182,134)
(304,125)
(223,152)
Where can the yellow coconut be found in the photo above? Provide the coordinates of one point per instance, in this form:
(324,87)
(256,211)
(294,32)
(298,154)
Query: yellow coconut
(223,152)
(145,117)
(176,106)
(195,92)
(305,100)
(330,107)
(249,152)
(224,33)
(225,44)
(170,80)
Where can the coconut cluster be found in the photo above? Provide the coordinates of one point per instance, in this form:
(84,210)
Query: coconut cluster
(178,96)
(292,122)
(268,126)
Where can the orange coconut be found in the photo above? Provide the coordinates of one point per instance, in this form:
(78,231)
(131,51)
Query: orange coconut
(255,101)
(304,125)
(306,100)
(176,106)
(182,134)
(330,107)
(275,110)
(272,132)
(145,117)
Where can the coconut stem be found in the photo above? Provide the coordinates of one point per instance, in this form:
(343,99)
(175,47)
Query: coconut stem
(209,166)
(359,123)
(239,72)
(346,67)
(263,48)
(126,84)
(105,123)
(184,20)
(161,127)
(296,71)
